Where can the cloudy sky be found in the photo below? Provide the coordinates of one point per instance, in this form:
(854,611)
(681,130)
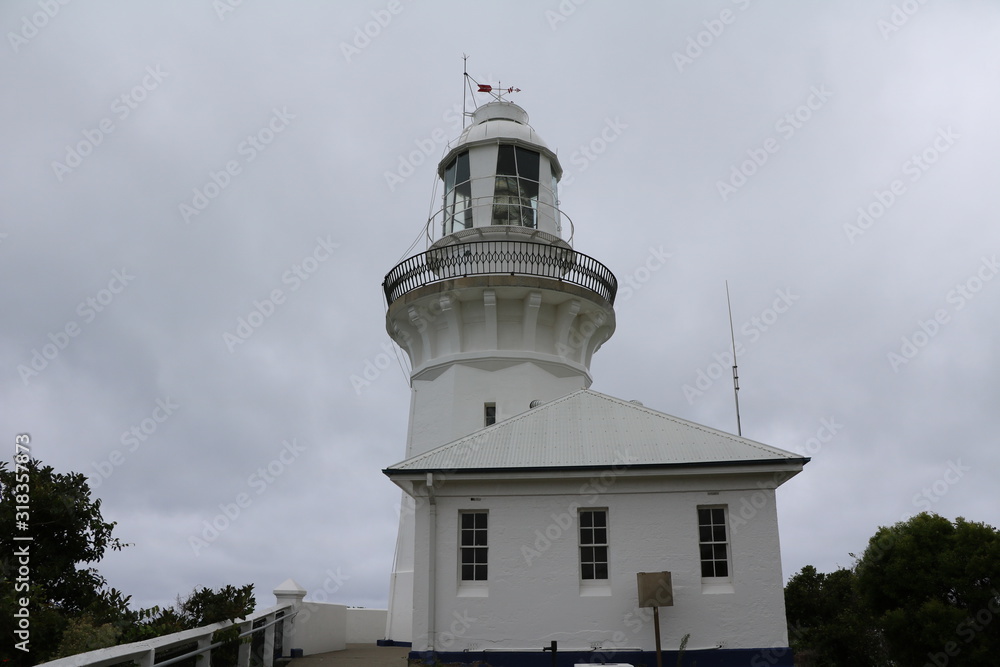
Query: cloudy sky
(172,169)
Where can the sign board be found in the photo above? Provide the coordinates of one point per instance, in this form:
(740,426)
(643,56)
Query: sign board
(655,589)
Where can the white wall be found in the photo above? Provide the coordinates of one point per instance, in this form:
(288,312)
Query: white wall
(534,594)
(319,627)
(365,626)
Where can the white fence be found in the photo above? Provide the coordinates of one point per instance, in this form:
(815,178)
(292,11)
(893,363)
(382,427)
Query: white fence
(312,627)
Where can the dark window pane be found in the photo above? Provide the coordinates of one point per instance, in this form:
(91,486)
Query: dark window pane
(704,517)
(600,536)
(601,554)
(468,572)
(705,534)
(600,519)
(527,164)
(721,568)
(468,520)
(587,554)
(587,570)
(706,551)
(505,161)
(586,519)
(462,168)
(601,571)
(719,551)
(480,540)
(480,520)
(466,538)
(706,569)
(718,516)
(480,573)
(719,533)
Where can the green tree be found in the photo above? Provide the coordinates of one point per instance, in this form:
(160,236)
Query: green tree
(933,587)
(68,534)
(71,607)
(828,624)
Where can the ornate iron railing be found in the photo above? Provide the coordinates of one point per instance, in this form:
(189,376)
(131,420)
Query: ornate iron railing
(515,258)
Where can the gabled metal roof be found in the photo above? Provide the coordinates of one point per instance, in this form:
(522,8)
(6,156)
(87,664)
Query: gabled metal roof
(589,429)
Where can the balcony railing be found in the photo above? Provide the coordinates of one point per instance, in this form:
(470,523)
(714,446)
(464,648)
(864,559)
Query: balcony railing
(514,258)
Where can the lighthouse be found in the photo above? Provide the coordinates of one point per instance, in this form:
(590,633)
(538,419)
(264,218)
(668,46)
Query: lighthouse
(500,310)
(542,519)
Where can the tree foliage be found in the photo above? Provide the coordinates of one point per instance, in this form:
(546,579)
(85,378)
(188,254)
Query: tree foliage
(925,591)
(933,586)
(72,609)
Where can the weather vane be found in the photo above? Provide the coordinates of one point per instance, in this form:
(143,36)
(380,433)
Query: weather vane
(496,92)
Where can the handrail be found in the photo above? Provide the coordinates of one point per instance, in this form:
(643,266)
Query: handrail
(435,223)
(144,651)
(500,258)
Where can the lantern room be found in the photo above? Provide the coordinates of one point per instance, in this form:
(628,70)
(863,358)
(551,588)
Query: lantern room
(500,181)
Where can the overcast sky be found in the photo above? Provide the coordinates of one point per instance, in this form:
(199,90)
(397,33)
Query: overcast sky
(169,169)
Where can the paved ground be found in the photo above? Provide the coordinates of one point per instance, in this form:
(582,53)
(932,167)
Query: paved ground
(355,655)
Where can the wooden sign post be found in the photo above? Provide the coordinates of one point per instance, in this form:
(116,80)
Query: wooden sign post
(655,590)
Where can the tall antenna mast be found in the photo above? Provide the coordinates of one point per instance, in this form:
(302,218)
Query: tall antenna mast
(736,376)
(465,84)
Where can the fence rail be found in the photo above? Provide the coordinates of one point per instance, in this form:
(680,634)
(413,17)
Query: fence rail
(478,258)
(266,630)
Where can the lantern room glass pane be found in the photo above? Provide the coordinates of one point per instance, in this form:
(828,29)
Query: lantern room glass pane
(515,194)
(457,195)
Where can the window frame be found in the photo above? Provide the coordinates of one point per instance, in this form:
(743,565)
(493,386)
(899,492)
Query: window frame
(710,557)
(594,563)
(474,550)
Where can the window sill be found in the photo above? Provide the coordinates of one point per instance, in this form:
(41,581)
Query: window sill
(599,588)
(715,586)
(473,590)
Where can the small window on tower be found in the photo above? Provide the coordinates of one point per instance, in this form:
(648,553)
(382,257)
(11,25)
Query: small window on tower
(490,414)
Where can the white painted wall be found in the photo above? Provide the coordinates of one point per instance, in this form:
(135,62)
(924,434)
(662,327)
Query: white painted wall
(365,626)
(319,627)
(534,594)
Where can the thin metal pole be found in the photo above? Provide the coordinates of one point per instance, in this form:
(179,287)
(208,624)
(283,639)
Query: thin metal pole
(656,629)
(736,375)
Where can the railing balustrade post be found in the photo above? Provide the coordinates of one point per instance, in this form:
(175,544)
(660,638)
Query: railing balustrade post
(269,642)
(243,659)
(148,659)
(205,642)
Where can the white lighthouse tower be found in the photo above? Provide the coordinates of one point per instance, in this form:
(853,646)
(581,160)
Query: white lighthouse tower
(499,312)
